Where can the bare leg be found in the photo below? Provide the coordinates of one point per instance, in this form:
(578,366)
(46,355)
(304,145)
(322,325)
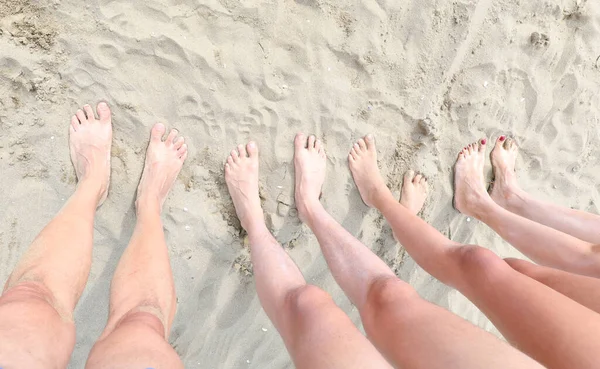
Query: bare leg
(36,308)
(316,332)
(542,244)
(583,289)
(142,300)
(409,331)
(548,326)
(507,193)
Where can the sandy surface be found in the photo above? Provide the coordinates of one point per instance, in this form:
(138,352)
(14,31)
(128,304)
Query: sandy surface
(426,76)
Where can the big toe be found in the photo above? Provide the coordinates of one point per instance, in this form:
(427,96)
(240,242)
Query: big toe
(500,142)
(252,149)
(158,131)
(408,176)
(300,141)
(103,111)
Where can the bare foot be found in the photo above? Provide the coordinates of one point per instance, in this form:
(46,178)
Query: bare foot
(310,162)
(90,141)
(164,160)
(241,175)
(414,192)
(504,157)
(363,165)
(470,193)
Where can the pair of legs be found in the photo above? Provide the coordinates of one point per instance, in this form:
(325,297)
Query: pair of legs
(36,309)
(408,331)
(562,240)
(554,329)
(550,235)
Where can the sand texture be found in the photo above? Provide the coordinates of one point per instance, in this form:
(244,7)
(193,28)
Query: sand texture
(425,76)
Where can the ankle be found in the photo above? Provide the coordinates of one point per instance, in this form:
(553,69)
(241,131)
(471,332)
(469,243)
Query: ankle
(381,196)
(148,204)
(307,209)
(92,186)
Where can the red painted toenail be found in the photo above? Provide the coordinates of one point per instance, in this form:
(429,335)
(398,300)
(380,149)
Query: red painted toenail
(484,141)
(502,138)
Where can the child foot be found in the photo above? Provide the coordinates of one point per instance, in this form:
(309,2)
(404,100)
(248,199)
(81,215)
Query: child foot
(414,192)
(504,157)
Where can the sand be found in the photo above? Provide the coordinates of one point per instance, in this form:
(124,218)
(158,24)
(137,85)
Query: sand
(425,76)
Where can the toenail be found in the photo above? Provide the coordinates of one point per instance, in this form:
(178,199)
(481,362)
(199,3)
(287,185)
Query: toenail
(484,141)
(103,106)
(502,138)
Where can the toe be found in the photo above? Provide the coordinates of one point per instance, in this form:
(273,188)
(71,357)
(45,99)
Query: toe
(74,123)
(89,112)
(242,151)
(182,150)
(171,137)
(417,178)
(235,155)
(509,143)
(423,181)
(311,142)
(179,141)
(354,154)
(357,149)
(230,160)
(482,144)
(409,175)
(183,154)
(362,144)
(300,141)
(158,131)
(351,158)
(500,141)
(103,112)
(470,149)
(370,141)
(318,145)
(81,116)
(252,148)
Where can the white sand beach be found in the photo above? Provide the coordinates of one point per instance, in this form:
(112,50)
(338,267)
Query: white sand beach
(425,76)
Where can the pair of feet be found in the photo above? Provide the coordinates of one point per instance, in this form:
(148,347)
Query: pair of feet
(241,175)
(90,142)
(471,197)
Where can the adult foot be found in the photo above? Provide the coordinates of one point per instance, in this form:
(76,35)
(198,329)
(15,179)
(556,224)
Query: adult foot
(310,162)
(470,193)
(164,160)
(90,141)
(363,165)
(414,192)
(241,175)
(504,157)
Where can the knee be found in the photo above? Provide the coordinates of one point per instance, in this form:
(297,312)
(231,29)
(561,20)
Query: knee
(479,261)
(306,299)
(35,294)
(142,320)
(389,291)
